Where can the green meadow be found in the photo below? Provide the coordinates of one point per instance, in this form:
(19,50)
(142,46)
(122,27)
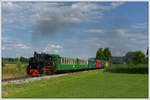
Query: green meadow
(90,84)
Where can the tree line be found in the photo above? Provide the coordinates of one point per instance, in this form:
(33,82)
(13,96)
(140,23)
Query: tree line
(21,59)
(131,57)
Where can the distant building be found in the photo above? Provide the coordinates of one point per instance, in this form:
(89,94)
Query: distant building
(118,60)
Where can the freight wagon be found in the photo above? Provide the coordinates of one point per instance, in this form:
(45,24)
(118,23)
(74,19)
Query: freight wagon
(52,63)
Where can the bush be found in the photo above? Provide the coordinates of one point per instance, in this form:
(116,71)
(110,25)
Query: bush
(19,65)
(3,64)
(140,69)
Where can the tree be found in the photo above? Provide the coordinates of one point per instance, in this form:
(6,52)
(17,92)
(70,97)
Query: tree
(136,57)
(3,64)
(147,52)
(23,59)
(139,58)
(129,57)
(147,56)
(107,54)
(100,54)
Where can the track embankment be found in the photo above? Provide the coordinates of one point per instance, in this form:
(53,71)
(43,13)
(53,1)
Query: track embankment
(21,80)
(28,79)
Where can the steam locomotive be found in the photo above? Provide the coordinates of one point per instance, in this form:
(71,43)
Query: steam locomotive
(44,63)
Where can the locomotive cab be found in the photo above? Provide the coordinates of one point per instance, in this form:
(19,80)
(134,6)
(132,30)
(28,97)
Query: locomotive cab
(40,63)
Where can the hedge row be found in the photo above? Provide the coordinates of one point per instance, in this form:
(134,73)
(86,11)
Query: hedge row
(140,69)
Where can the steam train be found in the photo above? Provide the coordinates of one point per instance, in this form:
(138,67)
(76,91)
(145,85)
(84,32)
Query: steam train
(44,63)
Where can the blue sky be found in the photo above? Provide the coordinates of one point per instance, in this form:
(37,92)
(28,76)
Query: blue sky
(73,29)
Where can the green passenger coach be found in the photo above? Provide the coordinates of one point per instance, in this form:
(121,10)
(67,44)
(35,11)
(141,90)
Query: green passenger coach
(69,64)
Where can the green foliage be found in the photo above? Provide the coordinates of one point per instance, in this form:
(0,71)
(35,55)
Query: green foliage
(23,59)
(141,69)
(139,58)
(103,54)
(12,71)
(136,57)
(99,54)
(3,64)
(107,54)
(129,57)
(15,60)
(19,66)
(147,52)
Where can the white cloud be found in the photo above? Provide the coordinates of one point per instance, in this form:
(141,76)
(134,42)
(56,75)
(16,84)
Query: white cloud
(51,48)
(139,26)
(94,30)
(15,48)
(22,46)
(116,4)
(12,44)
(122,32)
(29,13)
(133,36)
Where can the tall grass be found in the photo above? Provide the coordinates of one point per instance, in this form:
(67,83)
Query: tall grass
(19,66)
(131,68)
(14,70)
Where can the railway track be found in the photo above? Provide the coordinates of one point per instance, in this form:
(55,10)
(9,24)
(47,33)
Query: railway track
(20,80)
(17,78)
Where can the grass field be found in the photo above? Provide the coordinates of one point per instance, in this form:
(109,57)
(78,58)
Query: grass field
(91,84)
(12,71)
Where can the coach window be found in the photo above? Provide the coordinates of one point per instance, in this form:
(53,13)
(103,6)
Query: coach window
(69,61)
(65,61)
(61,60)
